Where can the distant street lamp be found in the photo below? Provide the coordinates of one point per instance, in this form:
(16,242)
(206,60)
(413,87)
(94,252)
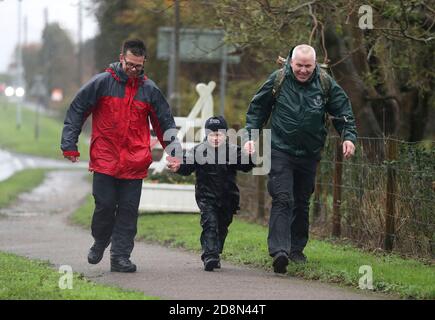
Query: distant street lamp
(19,92)
(9,91)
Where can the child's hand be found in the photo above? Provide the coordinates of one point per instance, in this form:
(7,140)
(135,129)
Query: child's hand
(173,163)
(249,147)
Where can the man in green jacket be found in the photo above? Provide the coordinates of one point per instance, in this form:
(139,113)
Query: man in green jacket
(297,99)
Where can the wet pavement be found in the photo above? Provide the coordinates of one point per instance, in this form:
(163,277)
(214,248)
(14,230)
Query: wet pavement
(11,163)
(37,226)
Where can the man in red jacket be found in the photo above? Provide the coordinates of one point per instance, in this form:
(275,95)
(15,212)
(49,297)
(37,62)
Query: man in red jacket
(121,100)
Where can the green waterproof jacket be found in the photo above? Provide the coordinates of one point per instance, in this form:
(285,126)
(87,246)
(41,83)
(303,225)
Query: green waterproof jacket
(298,113)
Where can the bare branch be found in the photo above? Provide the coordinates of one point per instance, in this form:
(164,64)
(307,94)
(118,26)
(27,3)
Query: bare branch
(351,12)
(428,8)
(325,51)
(300,6)
(264,4)
(156,10)
(425,40)
(382,98)
(347,55)
(404,30)
(404,34)
(310,10)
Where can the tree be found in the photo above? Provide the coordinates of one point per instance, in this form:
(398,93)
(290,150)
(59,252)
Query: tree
(386,71)
(113,31)
(88,60)
(31,63)
(142,18)
(58,59)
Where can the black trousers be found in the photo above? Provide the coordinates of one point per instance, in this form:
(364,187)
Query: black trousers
(291,183)
(116,212)
(214,222)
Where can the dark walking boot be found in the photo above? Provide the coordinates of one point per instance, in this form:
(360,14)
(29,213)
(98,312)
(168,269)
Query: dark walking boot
(280,262)
(211,263)
(298,257)
(122,264)
(96,253)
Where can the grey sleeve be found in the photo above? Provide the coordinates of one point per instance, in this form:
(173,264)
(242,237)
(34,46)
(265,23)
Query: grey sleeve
(162,120)
(78,111)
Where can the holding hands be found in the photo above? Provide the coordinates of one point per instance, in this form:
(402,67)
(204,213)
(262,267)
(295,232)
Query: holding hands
(72,158)
(173,163)
(249,147)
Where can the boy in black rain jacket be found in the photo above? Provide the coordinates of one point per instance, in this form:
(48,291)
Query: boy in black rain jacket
(215,163)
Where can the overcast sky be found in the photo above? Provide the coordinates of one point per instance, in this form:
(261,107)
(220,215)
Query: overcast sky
(63,11)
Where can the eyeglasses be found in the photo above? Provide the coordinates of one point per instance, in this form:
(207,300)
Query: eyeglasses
(132,65)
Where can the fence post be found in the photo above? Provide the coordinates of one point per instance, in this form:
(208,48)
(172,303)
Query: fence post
(338,170)
(317,194)
(392,151)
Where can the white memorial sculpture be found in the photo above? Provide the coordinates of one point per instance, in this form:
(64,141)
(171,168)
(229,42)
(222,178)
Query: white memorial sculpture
(201,111)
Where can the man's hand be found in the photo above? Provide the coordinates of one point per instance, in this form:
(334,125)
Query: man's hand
(72,158)
(348,149)
(72,155)
(249,147)
(173,163)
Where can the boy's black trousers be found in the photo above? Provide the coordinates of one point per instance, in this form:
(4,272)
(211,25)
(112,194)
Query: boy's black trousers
(116,212)
(214,223)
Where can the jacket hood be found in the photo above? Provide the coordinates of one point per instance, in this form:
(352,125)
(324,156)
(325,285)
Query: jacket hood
(118,73)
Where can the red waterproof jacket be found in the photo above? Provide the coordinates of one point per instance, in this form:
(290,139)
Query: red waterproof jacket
(121,108)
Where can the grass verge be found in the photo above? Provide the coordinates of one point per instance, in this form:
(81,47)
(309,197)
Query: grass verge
(23,140)
(328,262)
(20,182)
(26,279)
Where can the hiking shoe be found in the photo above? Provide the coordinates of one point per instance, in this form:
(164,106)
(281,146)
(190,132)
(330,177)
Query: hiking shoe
(298,257)
(122,265)
(280,262)
(96,253)
(211,263)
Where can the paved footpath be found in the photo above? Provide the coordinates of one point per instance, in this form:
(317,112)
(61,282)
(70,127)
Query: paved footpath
(37,226)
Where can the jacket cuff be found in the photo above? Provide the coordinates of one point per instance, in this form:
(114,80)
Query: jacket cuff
(71,154)
(349,137)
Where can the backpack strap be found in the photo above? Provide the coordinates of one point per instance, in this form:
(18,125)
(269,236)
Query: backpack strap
(278,82)
(325,83)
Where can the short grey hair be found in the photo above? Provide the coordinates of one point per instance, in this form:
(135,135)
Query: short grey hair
(304,48)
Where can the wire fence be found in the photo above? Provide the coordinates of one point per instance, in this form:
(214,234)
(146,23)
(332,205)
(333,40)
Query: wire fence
(382,199)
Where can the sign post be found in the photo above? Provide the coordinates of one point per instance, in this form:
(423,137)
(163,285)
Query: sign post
(38,90)
(198,45)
